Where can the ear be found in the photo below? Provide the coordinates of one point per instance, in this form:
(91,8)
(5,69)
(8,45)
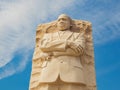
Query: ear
(71,27)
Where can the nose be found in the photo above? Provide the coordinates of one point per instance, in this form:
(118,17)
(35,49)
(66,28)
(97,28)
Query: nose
(60,20)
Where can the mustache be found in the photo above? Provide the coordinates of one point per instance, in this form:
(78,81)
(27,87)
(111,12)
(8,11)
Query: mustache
(61,23)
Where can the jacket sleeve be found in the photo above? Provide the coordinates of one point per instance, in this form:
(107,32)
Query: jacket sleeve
(76,50)
(80,43)
(61,47)
(57,45)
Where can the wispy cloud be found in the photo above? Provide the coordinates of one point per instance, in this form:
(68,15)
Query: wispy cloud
(107,30)
(18,20)
(104,16)
(106,21)
(101,72)
(17,65)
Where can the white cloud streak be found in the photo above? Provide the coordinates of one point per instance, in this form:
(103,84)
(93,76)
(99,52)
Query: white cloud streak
(104,16)
(19,18)
(17,27)
(109,69)
(11,69)
(107,30)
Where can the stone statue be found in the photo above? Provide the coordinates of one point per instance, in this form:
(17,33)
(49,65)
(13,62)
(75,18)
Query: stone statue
(63,57)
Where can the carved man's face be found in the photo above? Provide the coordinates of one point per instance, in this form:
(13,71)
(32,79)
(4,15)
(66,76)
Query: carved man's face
(63,22)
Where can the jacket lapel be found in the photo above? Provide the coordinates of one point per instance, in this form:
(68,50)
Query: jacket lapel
(68,35)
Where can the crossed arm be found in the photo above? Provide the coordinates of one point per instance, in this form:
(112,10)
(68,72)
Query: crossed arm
(64,47)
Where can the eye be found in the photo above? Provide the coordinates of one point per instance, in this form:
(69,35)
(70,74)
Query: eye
(79,24)
(64,19)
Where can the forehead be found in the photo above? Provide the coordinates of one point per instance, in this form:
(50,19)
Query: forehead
(63,16)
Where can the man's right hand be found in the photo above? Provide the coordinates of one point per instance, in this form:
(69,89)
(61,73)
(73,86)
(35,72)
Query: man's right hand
(76,47)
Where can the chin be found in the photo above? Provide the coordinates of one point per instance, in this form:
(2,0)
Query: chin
(62,29)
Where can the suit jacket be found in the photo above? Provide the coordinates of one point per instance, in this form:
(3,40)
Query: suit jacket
(65,61)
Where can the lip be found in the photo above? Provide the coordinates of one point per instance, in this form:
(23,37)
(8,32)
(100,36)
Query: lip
(61,22)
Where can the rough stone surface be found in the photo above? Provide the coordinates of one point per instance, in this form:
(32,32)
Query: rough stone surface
(63,55)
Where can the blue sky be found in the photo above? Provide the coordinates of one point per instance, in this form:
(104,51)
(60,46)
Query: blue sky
(18,22)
